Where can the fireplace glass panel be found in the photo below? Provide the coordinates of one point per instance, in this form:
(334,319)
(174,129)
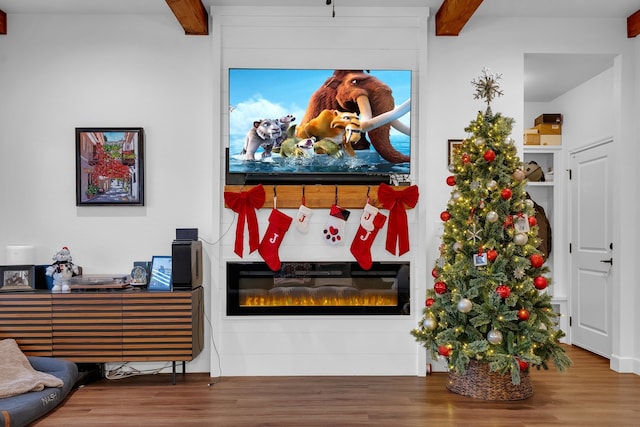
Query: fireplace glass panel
(317,288)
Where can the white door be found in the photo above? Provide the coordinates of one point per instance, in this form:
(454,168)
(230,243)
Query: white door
(591,249)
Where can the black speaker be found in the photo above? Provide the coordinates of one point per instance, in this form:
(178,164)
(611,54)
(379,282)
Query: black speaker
(186,234)
(187,264)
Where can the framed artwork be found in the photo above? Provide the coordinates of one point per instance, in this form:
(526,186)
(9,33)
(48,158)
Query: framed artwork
(454,144)
(17,278)
(109,166)
(161,268)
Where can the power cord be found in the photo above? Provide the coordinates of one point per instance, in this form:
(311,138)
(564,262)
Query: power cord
(126,371)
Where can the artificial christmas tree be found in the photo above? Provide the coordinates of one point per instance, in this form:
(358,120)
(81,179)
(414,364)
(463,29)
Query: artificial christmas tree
(488,312)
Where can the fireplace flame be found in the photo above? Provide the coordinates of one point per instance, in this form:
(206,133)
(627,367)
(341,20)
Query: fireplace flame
(319,297)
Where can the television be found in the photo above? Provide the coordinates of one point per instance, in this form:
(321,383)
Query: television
(311,126)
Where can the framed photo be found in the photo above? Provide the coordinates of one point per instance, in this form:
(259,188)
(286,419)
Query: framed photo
(161,268)
(109,166)
(480,260)
(17,278)
(454,144)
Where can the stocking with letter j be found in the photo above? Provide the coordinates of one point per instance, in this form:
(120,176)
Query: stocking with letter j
(278,225)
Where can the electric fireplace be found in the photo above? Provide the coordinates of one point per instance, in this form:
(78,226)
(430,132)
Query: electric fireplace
(317,288)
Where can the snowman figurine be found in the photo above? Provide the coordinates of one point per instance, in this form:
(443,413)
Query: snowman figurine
(62,270)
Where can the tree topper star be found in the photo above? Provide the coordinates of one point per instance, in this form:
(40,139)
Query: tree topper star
(487,86)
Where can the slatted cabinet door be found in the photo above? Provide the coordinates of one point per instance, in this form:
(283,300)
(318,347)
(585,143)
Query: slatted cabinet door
(157,326)
(26,317)
(87,326)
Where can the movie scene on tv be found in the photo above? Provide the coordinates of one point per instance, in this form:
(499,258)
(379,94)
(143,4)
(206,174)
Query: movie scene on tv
(289,121)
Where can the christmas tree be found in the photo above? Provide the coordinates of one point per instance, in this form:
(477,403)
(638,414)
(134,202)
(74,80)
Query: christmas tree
(489,301)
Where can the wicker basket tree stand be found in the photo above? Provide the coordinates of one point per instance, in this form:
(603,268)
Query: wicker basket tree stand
(480,383)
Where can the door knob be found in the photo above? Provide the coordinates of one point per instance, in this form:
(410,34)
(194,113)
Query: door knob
(607,261)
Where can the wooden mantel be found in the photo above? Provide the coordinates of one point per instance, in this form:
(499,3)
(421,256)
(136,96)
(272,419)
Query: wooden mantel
(3,22)
(318,196)
(453,16)
(633,25)
(192,15)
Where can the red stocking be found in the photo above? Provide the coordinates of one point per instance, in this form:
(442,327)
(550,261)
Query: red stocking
(278,225)
(361,245)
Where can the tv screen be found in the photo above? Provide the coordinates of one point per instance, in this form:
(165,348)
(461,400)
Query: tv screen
(302,125)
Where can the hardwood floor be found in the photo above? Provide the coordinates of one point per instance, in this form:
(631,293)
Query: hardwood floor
(588,394)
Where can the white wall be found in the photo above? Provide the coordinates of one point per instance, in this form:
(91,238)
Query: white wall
(62,72)
(320,345)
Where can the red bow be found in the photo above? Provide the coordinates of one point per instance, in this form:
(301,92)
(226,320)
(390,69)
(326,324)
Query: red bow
(397,202)
(245,203)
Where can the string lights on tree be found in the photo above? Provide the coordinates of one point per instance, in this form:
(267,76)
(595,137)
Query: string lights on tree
(489,302)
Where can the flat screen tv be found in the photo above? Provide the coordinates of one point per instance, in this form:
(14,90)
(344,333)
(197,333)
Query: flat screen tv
(318,126)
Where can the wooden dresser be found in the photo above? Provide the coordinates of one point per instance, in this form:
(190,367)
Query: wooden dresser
(106,326)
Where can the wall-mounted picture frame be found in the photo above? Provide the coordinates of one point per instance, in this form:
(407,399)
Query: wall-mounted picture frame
(452,144)
(110,166)
(17,278)
(161,269)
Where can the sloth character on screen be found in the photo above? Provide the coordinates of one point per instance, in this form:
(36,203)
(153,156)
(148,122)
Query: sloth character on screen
(62,270)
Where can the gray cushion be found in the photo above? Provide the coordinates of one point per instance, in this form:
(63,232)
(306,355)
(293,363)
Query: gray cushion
(21,410)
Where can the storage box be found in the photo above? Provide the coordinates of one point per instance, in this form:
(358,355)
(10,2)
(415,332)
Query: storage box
(555,118)
(531,131)
(550,139)
(531,139)
(549,129)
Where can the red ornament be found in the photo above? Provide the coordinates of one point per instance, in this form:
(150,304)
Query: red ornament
(506,194)
(492,254)
(466,158)
(536,260)
(533,221)
(489,155)
(429,302)
(445,351)
(523,314)
(440,288)
(445,216)
(503,291)
(540,283)
(451,180)
(523,365)
(435,273)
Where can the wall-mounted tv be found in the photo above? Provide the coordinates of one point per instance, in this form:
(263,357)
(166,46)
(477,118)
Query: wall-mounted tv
(318,125)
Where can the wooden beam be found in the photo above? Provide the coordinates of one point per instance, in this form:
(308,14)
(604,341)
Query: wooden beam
(192,15)
(633,25)
(453,15)
(3,22)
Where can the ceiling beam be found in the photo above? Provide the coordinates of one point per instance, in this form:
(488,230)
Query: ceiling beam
(3,22)
(192,15)
(453,15)
(633,25)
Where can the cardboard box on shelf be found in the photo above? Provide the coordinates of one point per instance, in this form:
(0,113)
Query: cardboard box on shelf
(531,131)
(531,139)
(550,139)
(549,129)
(548,118)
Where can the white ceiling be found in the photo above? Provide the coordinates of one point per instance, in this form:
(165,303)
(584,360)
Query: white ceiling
(546,76)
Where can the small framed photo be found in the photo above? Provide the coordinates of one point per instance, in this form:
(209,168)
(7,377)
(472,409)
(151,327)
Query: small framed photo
(480,260)
(453,145)
(17,278)
(109,166)
(521,224)
(161,268)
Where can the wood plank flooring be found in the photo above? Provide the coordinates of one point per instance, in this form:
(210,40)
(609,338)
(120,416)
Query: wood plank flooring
(588,394)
